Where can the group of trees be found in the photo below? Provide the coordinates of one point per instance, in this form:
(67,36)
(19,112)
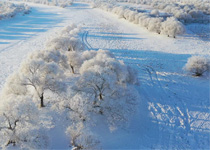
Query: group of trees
(202,5)
(8,10)
(81,86)
(185,11)
(170,26)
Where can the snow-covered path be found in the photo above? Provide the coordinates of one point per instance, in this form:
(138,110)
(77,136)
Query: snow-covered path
(174,107)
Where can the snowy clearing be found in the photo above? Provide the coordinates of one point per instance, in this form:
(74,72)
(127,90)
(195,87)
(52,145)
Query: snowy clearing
(173,108)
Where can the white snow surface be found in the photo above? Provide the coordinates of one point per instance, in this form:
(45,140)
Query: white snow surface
(174,109)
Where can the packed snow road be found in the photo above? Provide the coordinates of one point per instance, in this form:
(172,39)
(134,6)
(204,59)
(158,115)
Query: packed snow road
(173,111)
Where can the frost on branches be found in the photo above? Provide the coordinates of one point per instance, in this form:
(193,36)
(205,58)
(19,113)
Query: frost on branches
(81,138)
(197,65)
(19,124)
(103,89)
(9,10)
(82,87)
(107,83)
(172,27)
(153,22)
(39,76)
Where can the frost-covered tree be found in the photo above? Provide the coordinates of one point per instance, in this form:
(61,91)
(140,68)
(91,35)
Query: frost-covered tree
(100,74)
(66,44)
(106,82)
(54,56)
(70,31)
(155,24)
(40,76)
(19,124)
(81,137)
(197,65)
(172,27)
(14,86)
(74,60)
(86,55)
(9,10)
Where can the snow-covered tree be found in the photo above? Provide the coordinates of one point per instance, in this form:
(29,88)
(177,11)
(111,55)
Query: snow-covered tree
(172,27)
(70,31)
(40,76)
(14,86)
(66,44)
(19,124)
(155,24)
(51,55)
(74,60)
(9,10)
(86,55)
(197,65)
(106,82)
(81,137)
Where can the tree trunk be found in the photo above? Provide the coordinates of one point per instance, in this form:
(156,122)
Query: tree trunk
(42,100)
(100,96)
(72,68)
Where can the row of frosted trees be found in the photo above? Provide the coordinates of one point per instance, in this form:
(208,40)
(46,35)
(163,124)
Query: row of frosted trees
(83,87)
(185,11)
(8,10)
(170,26)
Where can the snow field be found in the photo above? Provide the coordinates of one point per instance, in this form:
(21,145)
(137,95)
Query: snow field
(83,90)
(9,10)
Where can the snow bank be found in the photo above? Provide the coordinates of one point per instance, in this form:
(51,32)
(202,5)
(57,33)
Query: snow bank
(9,10)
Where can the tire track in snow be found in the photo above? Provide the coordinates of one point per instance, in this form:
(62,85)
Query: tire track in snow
(161,113)
(84,40)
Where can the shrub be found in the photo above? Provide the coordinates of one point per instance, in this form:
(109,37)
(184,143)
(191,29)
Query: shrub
(197,65)
(172,27)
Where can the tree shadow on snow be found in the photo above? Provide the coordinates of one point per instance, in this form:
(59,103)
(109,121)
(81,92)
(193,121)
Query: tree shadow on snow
(176,101)
(174,106)
(23,27)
